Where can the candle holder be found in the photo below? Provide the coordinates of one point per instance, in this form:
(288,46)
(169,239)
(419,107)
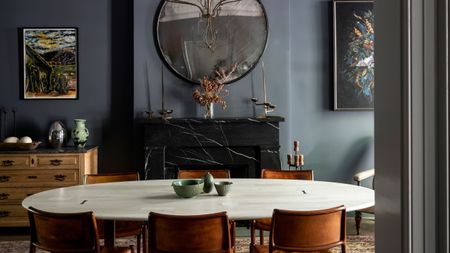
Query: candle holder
(165,113)
(297,160)
(268,106)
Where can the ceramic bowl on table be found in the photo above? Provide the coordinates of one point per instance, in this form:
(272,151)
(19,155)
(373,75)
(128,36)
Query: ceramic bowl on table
(223,187)
(188,188)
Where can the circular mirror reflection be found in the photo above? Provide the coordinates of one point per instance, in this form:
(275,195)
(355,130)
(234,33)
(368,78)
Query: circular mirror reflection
(197,38)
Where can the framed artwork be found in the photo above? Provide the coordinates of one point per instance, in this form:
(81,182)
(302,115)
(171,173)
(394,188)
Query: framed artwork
(353,33)
(50,63)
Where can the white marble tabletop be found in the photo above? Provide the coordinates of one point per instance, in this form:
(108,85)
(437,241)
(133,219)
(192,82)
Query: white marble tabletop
(248,199)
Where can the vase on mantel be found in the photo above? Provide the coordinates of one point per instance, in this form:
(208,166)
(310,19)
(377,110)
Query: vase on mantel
(209,113)
(80,133)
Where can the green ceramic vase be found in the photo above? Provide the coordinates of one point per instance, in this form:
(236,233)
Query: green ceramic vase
(208,180)
(80,133)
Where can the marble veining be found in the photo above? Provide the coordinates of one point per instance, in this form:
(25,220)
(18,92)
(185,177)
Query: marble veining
(249,142)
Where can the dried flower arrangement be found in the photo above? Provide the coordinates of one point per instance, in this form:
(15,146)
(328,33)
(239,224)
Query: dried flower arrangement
(213,92)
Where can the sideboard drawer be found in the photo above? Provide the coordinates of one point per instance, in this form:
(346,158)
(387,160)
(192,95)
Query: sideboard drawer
(17,194)
(7,211)
(39,178)
(24,173)
(14,161)
(58,161)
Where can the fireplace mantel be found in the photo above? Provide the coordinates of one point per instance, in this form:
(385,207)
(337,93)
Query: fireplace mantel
(244,145)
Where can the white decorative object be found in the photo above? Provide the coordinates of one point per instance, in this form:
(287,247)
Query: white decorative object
(25,139)
(11,139)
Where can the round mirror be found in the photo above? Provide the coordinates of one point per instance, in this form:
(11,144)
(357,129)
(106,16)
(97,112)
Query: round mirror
(198,38)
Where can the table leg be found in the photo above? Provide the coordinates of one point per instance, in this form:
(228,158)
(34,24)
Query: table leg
(110,234)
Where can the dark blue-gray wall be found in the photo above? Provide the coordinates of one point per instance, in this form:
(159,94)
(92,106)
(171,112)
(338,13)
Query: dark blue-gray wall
(105,73)
(298,62)
(298,71)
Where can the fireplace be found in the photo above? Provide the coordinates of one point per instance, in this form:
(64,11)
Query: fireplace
(243,145)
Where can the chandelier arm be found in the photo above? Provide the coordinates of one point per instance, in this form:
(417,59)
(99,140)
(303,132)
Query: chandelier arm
(221,3)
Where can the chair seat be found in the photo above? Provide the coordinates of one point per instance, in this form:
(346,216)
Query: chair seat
(116,250)
(263,224)
(265,249)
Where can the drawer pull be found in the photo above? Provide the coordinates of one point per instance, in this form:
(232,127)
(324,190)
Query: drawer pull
(55,162)
(4,196)
(4,179)
(4,214)
(60,177)
(7,163)
(32,177)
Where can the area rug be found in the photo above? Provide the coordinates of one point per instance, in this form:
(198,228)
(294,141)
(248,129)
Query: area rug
(355,244)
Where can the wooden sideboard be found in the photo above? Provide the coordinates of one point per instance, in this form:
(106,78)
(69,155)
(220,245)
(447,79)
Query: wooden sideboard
(23,173)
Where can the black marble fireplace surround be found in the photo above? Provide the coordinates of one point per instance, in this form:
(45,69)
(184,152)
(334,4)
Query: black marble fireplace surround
(243,145)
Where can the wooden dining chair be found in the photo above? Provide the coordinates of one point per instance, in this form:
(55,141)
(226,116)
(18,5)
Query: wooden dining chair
(123,228)
(306,231)
(187,234)
(66,233)
(358,178)
(188,174)
(264,224)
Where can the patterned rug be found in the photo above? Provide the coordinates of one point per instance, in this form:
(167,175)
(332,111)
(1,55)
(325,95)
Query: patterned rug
(355,244)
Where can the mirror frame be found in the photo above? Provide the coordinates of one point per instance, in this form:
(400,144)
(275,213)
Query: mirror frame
(176,73)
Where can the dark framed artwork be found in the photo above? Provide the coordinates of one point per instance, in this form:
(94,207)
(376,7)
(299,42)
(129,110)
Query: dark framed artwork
(354,66)
(50,63)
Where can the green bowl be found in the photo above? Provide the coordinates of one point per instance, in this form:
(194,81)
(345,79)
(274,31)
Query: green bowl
(223,187)
(188,188)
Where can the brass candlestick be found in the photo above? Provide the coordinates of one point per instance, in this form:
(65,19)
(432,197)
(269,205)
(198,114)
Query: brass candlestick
(165,113)
(297,160)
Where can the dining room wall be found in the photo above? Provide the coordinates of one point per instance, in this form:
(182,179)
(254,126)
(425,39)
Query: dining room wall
(105,73)
(120,77)
(298,63)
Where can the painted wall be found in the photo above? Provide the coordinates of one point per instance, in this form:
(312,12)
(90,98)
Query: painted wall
(105,72)
(298,62)
(298,71)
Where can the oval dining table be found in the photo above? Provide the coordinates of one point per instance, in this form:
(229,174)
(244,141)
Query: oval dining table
(248,199)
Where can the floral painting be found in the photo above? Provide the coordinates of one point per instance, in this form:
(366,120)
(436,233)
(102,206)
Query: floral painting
(354,66)
(50,64)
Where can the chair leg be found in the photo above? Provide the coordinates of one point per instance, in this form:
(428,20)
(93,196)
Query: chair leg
(343,248)
(261,237)
(145,245)
(233,235)
(252,232)
(358,217)
(32,248)
(138,243)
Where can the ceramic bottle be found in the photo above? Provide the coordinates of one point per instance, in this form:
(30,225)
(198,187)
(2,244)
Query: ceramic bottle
(208,182)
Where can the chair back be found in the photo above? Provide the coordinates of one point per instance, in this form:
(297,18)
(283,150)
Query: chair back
(307,230)
(287,174)
(207,233)
(72,232)
(187,174)
(111,177)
